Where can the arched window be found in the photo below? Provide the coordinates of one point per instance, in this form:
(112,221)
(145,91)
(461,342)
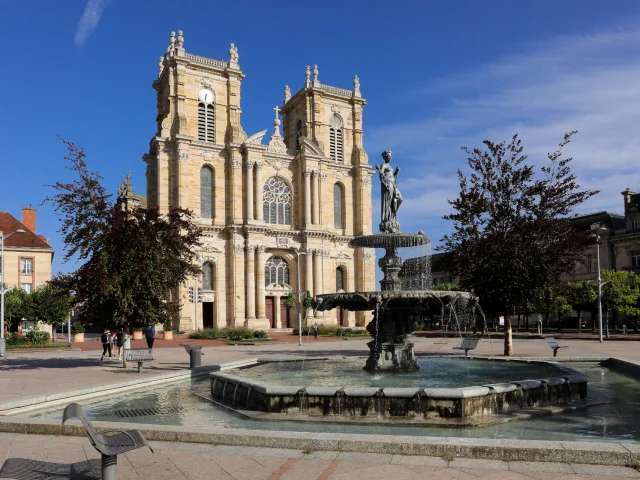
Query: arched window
(207,276)
(206,192)
(336,145)
(338,206)
(276,271)
(277,202)
(206,123)
(298,134)
(339,279)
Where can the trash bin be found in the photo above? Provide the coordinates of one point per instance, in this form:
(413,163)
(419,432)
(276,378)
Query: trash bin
(195,357)
(3,342)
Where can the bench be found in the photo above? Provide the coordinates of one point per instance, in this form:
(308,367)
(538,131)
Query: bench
(469,343)
(554,345)
(194,355)
(109,443)
(137,355)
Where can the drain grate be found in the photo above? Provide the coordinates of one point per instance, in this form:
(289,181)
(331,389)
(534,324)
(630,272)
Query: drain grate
(152,411)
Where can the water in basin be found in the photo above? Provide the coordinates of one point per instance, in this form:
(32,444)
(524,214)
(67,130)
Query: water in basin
(434,372)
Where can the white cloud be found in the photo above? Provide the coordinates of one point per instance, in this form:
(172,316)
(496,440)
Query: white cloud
(89,20)
(586,83)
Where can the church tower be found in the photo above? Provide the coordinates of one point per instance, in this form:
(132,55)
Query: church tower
(262,207)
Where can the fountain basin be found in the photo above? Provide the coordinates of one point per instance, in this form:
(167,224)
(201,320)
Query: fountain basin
(487,403)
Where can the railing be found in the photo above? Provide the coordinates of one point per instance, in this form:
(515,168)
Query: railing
(336,91)
(205,60)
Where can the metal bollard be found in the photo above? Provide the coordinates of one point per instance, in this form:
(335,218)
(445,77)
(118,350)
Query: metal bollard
(195,357)
(3,343)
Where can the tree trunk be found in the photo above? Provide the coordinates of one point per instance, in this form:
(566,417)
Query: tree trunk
(508,337)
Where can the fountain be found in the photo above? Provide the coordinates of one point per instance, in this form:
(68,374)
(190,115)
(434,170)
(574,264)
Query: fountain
(394,308)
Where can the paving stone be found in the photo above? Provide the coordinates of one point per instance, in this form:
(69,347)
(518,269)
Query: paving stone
(418,460)
(233,450)
(605,470)
(305,469)
(28,450)
(364,457)
(477,463)
(65,453)
(279,452)
(241,467)
(529,450)
(322,455)
(540,467)
(380,472)
(600,453)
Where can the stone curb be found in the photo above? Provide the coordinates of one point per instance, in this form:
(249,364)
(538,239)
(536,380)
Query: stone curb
(481,448)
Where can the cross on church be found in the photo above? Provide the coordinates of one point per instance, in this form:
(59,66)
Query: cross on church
(277,111)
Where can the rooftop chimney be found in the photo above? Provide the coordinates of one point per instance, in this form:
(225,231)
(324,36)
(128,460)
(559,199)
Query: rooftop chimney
(29,218)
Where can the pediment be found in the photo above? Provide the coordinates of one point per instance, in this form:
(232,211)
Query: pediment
(256,138)
(308,146)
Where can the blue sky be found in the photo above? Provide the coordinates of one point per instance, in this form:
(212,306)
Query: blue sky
(437,75)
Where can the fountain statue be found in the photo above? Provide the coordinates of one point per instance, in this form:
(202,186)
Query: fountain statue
(395,309)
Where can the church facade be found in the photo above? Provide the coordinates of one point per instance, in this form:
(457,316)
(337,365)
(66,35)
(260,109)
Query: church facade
(268,209)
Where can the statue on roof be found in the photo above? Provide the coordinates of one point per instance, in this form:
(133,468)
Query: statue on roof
(233,54)
(287,93)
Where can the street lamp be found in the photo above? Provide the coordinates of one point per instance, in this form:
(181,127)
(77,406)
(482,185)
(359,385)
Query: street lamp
(3,290)
(596,228)
(298,253)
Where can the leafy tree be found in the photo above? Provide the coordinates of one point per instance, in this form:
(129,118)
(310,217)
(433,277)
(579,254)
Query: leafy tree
(50,305)
(134,257)
(583,295)
(511,240)
(622,292)
(447,287)
(553,300)
(15,308)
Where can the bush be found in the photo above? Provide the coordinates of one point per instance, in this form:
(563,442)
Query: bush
(206,334)
(235,334)
(260,334)
(15,339)
(77,328)
(37,337)
(332,330)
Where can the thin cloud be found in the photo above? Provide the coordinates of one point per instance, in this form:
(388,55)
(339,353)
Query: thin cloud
(89,20)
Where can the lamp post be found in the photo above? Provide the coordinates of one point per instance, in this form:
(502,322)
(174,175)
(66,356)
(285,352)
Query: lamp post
(596,228)
(3,290)
(298,253)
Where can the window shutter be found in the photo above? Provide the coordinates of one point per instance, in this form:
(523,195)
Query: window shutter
(206,192)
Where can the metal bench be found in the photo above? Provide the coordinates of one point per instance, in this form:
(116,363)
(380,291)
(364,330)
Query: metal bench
(109,443)
(554,345)
(468,343)
(137,355)
(195,353)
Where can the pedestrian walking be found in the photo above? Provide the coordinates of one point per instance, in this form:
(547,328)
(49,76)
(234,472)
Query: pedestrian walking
(105,338)
(119,342)
(315,330)
(149,335)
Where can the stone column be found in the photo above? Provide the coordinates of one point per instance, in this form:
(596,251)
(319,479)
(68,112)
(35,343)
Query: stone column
(250,285)
(259,188)
(237,287)
(316,199)
(308,271)
(317,272)
(259,268)
(278,313)
(249,171)
(307,197)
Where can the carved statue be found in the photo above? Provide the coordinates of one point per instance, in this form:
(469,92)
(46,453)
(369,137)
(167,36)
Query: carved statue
(287,93)
(233,54)
(356,84)
(391,196)
(315,73)
(307,74)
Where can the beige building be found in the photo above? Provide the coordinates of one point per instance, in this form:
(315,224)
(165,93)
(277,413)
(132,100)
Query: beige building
(28,257)
(306,190)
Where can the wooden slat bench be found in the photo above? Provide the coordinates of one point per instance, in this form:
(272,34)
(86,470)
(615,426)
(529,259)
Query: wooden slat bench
(554,345)
(468,343)
(137,355)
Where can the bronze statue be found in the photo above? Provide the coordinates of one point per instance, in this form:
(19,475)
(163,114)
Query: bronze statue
(391,196)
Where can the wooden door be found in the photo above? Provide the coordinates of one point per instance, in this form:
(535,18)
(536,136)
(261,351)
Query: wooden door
(207,314)
(269,311)
(284,313)
(339,316)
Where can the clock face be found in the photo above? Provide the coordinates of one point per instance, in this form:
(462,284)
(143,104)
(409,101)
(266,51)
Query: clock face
(206,95)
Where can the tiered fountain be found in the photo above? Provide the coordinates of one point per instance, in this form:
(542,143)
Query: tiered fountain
(395,309)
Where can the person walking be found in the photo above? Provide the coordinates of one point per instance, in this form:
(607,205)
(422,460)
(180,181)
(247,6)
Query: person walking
(149,335)
(119,342)
(105,338)
(315,330)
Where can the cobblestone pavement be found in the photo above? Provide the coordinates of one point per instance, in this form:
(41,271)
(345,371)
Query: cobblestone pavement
(36,457)
(31,374)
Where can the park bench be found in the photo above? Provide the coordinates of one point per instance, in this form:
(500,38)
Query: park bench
(109,443)
(137,355)
(468,343)
(195,353)
(554,345)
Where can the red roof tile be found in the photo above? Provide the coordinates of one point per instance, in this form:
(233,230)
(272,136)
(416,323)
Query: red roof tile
(8,224)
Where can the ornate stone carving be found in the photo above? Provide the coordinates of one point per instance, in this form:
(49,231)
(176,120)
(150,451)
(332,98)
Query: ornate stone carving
(343,256)
(335,109)
(236,163)
(307,74)
(238,248)
(250,163)
(261,248)
(308,146)
(287,94)
(307,172)
(183,155)
(365,181)
(206,82)
(166,123)
(233,55)
(324,175)
(339,174)
(356,86)
(315,73)
(391,196)
(250,248)
(276,143)
(275,163)
(367,253)
(180,39)
(208,155)
(256,138)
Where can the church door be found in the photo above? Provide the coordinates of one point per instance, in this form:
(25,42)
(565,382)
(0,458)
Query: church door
(207,314)
(284,313)
(339,316)
(269,311)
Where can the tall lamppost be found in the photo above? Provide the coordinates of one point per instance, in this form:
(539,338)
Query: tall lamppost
(596,229)
(298,253)
(3,290)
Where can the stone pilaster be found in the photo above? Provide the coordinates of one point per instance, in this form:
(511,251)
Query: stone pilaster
(250,284)
(308,271)
(316,198)
(259,186)
(250,189)
(307,197)
(237,285)
(261,250)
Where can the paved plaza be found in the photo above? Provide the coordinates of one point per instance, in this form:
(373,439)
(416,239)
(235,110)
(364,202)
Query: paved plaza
(32,374)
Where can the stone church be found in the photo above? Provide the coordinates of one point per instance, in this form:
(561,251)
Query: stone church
(267,210)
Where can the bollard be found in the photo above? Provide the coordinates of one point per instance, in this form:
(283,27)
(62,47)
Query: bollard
(3,343)
(195,357)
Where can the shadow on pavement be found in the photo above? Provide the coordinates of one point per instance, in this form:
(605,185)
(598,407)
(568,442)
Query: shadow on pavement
(24,469)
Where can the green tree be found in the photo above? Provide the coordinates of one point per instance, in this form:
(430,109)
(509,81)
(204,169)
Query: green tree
(447,287)
(134,258)
(621,293)
(511,240)
(583,295)
(50,305)
(553,301)
(15,308)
